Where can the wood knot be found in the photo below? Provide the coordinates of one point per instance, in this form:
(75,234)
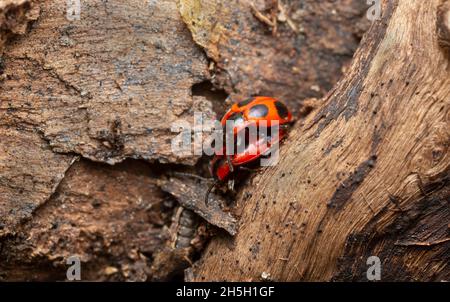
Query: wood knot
(443,25)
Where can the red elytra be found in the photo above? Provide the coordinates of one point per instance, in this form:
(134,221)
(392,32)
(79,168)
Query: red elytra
(255,110)
(220,166)
(247,114)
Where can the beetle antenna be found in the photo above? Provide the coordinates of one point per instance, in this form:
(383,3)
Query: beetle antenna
(208,192)
(184,174)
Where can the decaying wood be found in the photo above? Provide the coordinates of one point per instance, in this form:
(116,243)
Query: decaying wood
(443,24)
(250,60)
(107,87)
(110,85)
(366,174)
(186,237)
(110,217)
(15,16)
(30,173)
(29,170)
(368,170)
(191,195)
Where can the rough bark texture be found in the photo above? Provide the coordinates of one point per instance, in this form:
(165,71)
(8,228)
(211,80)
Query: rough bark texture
(108,87)
(254,58)
(15,16)
(367,175)
(91,215)
(191,195)
(24,182)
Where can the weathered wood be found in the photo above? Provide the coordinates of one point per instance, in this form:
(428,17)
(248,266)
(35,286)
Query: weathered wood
(191,195)
(111,217)
(15,16)
(443,24)
(367,175)
(299,54)
(110,85)
(106,87)
(29,170)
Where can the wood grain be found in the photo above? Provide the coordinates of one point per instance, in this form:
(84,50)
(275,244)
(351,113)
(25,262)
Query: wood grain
(388,175)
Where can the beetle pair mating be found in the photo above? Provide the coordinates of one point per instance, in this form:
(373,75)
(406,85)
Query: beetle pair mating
(261,113)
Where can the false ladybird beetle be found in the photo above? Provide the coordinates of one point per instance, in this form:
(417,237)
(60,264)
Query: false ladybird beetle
(256,109)
(245,115)
(220,167)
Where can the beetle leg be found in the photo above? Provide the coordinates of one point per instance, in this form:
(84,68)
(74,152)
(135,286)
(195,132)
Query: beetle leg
(230,165)
(249,169)
(231,184)
(268,152)
(210,189)
(228,99)
(184,174)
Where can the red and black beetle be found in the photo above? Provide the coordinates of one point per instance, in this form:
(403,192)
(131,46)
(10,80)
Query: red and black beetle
(245,115)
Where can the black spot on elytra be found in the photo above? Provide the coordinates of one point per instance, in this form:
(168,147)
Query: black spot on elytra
(282,109)
(259,110)
(244,102)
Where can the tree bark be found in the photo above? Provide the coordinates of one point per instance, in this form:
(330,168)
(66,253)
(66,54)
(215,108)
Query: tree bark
(107,87)
(366,175)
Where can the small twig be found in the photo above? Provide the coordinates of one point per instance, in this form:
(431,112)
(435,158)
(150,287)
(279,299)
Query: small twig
(288,19)
(274,13)
(118,85)
(188,260)
(261,17)
(173,230)
(422,243)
